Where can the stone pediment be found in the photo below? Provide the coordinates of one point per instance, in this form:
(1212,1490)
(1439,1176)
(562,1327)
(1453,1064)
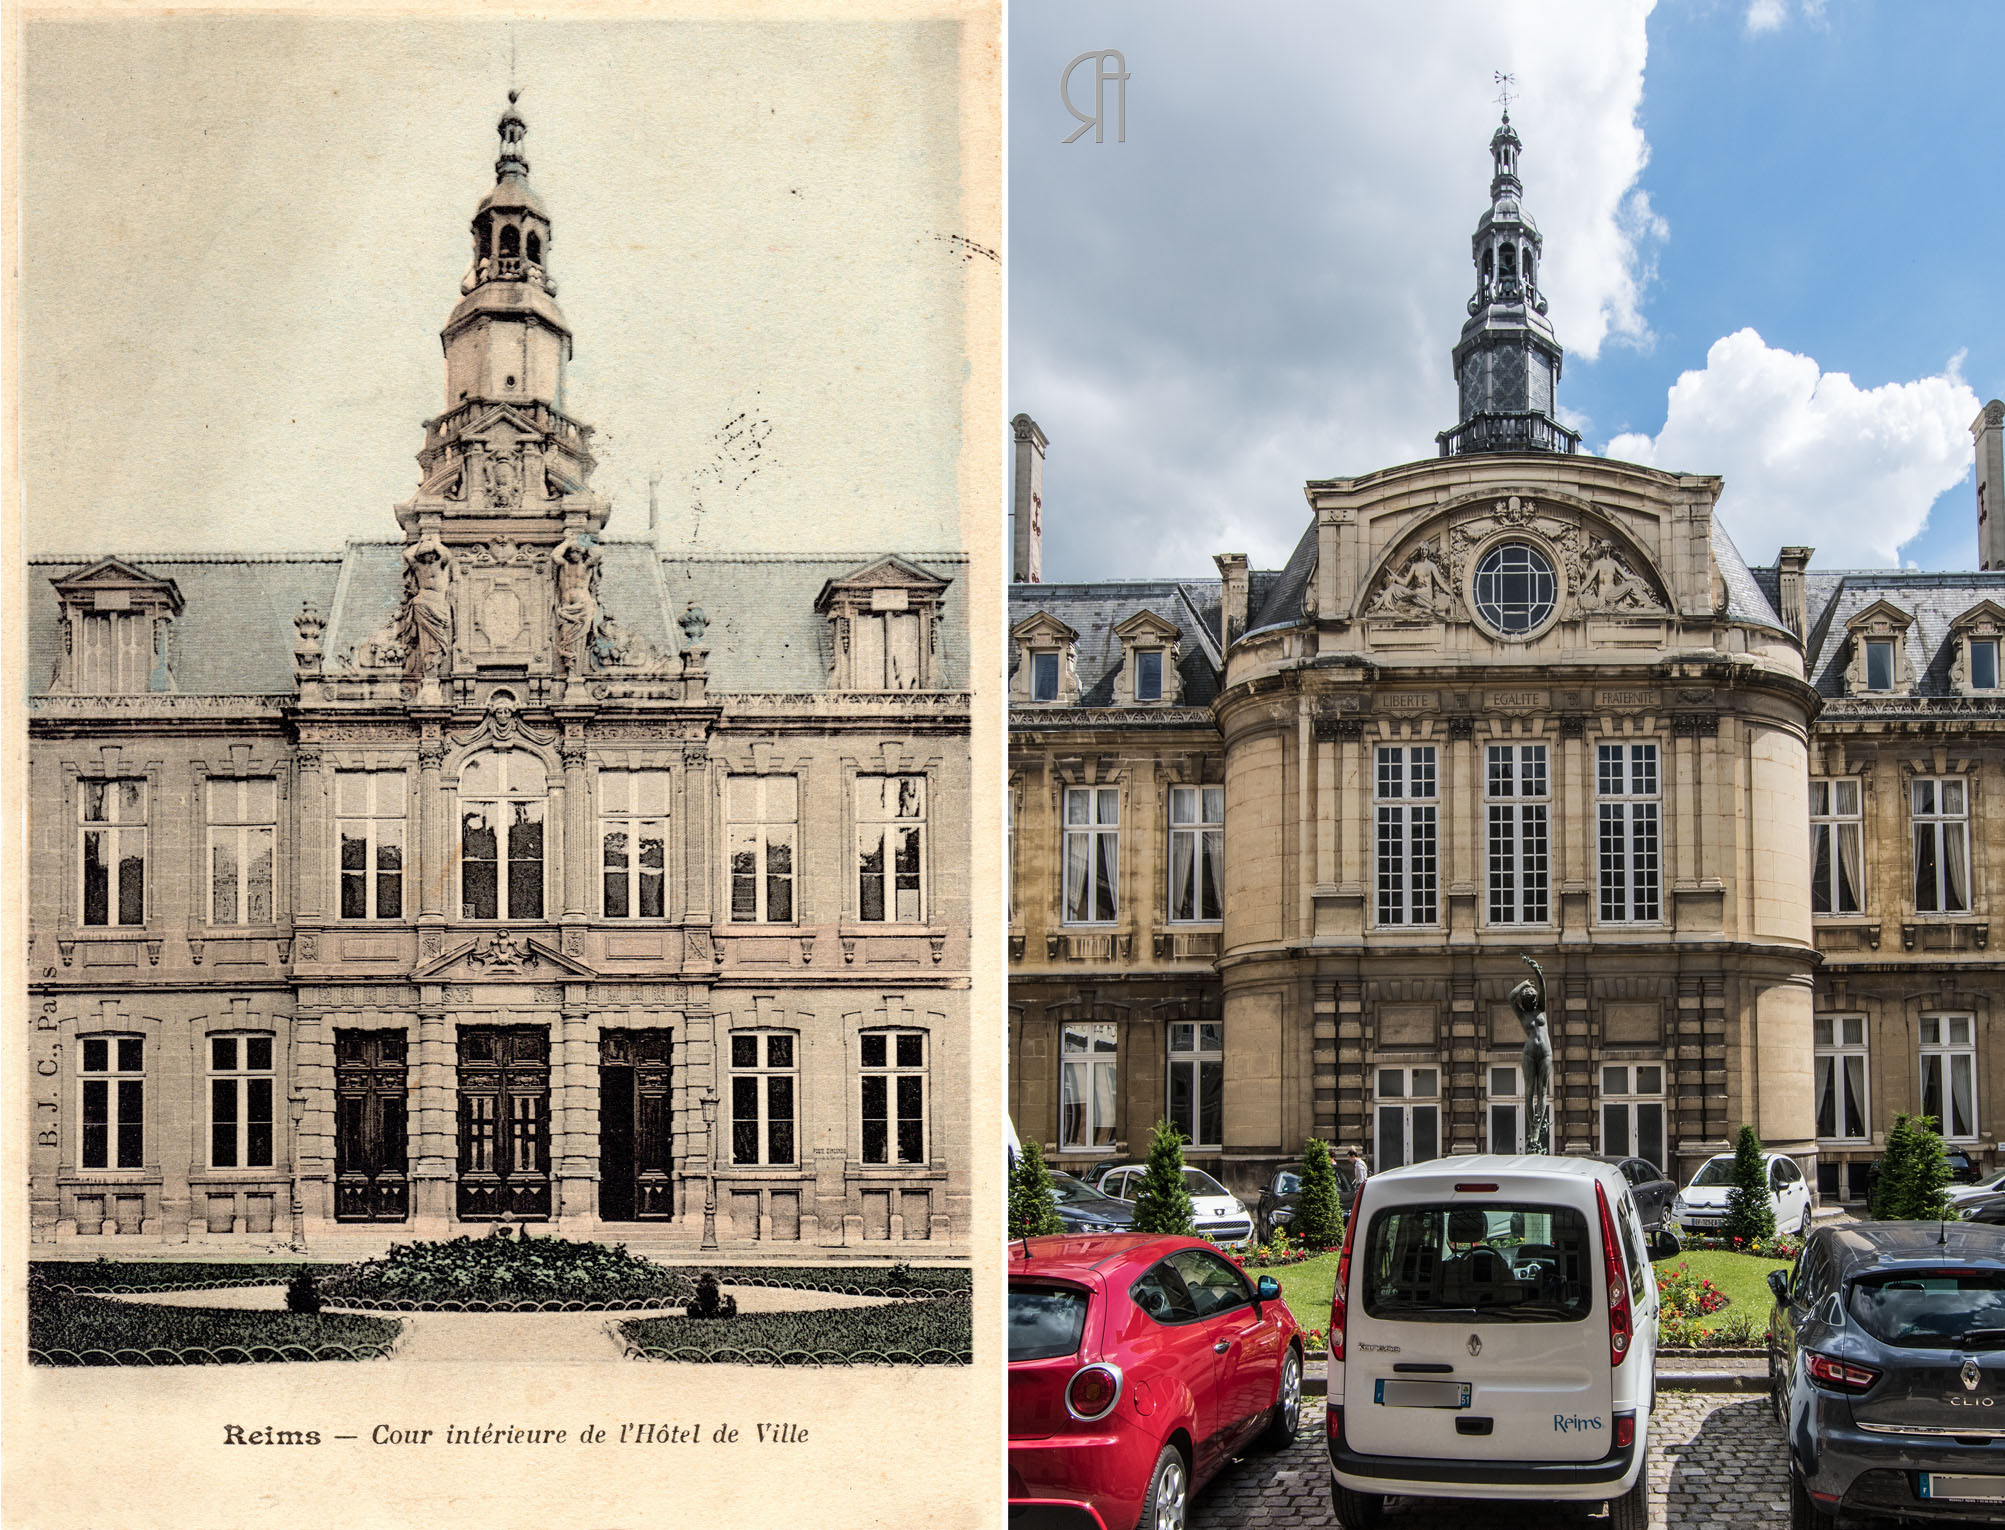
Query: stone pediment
(498,955)
(1041,627)
(1882,614)
(1986,615)
(1147,627)
(110,584)
(887,573)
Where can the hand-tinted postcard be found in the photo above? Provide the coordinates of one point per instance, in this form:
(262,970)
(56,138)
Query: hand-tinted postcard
(492,689)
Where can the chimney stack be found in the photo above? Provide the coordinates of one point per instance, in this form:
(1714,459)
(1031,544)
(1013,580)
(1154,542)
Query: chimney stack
(1987,432)
(1789,566)
(1234,588)
(1027,511)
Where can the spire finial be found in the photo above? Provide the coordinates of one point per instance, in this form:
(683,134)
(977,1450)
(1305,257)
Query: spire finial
(1504,84)
(512,130)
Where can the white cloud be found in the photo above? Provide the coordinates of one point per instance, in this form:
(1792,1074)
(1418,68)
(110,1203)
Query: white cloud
(1264,283)
(1809,457)
(1773,15)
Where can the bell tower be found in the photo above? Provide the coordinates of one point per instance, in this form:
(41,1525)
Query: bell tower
(1507,363)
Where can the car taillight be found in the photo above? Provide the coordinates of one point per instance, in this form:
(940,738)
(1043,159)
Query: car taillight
(1620,1331)
(1840,1375)
(1336,1341)
(1625,1430)
(1334,1423)
(1092,1392)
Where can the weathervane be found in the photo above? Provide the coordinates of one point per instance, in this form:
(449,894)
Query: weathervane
(1504,84)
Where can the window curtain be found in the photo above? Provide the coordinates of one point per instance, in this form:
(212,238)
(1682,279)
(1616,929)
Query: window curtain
(1956,868)
(1849,858)
(1077,847)
(1183,889)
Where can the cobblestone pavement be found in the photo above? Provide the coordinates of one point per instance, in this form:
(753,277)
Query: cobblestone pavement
(1716,1463)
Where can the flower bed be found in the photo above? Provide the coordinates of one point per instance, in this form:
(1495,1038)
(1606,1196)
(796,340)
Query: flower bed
(1784,1246)
(142,1275)
(69,1329)
(935,1331)
(848,1280)
(500,1273)
(1713,1300)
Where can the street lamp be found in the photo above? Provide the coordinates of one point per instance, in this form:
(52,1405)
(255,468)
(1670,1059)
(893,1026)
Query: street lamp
(298,1113)
(709,1103)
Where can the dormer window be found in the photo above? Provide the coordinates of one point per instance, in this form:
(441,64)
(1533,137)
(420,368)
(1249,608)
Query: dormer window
(1984,664)
(1044,675)
(116,625)
(883,622)
(1149,659)
(1148,674)
(1880,664)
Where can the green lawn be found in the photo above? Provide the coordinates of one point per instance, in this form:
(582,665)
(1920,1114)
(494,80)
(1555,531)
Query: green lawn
(90,1330)
(1742,1277)
(1306,1288)
(932,1332)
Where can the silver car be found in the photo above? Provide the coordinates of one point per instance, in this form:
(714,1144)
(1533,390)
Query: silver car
(1886,1367)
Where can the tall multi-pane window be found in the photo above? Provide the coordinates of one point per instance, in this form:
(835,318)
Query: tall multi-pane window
(369,814)
(1407,808)
(1984,664)
(1940,812)
(633,842)
(1197,852)
(1630,849)
(762,1097)
(114,652)
(1949,1075)
(501,804)
(113,1072)
(761,817)
(1632,1111)
(1516,787)
(1044,675)
(1092,854)
(1879,664)
(1197,1081)
(1840,1042)
(1088,1078)
(1148,674)
(240,1102)
(1836,859)
(886,650)
(1407,1113)
(111,818)
(891,849)
(894,1096)
(1506,1109)
(243,823)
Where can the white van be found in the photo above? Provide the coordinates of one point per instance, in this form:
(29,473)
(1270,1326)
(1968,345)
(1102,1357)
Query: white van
(1493,1334)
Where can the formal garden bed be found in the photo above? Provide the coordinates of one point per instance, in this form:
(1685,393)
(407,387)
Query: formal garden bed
(499,1273)
(67,1328)
(937,1330)
(136,1276)
(897,1280)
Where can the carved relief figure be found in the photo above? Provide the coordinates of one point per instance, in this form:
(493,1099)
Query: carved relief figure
(505,475)
(575,562)
(1607,584)
(1529,1000)
(1419,590)
(426,629)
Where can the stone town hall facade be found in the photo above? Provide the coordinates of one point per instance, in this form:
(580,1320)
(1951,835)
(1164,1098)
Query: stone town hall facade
(501,871)
(1278,839)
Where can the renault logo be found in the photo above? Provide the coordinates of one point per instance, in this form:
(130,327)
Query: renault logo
(1476,1348)
(1971,1375)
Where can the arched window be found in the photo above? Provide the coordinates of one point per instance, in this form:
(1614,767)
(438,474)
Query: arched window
(501,804)
(1489,268)
(485,233)
(1507,261)
(510,241)
(1528,268)
(535,248)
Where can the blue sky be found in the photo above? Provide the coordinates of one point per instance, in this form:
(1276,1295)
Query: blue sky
(1793,208)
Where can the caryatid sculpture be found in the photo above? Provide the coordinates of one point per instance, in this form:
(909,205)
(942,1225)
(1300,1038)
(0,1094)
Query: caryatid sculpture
(1529,1000)
(575,561)
(426,630)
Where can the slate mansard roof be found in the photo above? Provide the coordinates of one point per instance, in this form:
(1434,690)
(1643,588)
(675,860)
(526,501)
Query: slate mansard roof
(234,636)
(1832,597)
(1094,610)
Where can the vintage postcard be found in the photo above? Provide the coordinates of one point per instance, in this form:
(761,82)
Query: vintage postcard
(504,1026)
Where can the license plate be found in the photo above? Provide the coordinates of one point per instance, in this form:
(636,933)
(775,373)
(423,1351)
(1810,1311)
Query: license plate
(1702,1221)
(1935,1485)
(1422,1394)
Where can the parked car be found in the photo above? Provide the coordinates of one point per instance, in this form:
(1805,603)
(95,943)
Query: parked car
(1083,1209)
(1138,1366)
(1963,1170)
(1493,1334)
(1276,1207)
(1886,1365)
(1701,1206)
(1220,1215)
(1989,1209)
(1654,1191)
(1978,1189)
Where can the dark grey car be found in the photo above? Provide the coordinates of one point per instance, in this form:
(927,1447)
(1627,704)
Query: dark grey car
(1278,1196)
(1886,1364)
(1083,1209)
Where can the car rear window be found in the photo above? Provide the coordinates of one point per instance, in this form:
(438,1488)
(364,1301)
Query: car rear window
(1513,1261)
(1045,1321)
(1932,1309)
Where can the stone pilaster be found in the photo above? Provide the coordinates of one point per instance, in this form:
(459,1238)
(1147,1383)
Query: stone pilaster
(435,1154)
(313,1142)
(574,1086)
(315,824)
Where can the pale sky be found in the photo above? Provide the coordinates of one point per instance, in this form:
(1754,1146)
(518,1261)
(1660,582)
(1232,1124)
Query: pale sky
(241,236)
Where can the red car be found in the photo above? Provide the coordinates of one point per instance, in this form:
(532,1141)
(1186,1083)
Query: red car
(1138,1366)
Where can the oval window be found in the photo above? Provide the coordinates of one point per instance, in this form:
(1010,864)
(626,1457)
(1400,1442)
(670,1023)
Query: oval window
(1515,588)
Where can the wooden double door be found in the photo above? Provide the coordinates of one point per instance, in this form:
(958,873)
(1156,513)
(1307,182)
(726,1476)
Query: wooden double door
(504,1122)
(636,1137)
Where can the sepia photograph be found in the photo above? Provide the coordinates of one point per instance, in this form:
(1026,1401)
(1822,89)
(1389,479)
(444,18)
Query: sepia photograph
(1503,700)
(497,652)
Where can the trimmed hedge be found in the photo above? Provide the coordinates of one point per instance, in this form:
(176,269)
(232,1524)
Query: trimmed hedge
(850,1280)
(94,1330)
(166,1275)
(508,1273)
(939,1331)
